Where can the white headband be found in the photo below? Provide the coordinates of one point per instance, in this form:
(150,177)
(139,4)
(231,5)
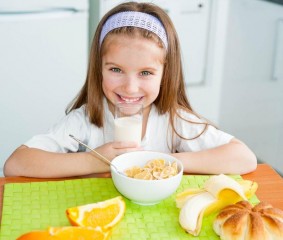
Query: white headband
(134,19)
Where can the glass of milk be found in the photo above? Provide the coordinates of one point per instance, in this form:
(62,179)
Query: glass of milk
(128,122)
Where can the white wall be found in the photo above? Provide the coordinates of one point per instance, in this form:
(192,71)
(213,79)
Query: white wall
(251,98)
(43,61)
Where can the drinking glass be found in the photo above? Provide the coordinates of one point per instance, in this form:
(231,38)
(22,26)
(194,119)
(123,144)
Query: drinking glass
(128,122)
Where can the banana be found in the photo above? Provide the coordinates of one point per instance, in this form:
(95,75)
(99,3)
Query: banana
(191,213)
(182,197)
(216,184)
(218,192)
(249,188)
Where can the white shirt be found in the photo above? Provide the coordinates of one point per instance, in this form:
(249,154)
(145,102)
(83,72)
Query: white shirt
(157,136)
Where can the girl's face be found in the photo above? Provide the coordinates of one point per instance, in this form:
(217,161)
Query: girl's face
(132,69)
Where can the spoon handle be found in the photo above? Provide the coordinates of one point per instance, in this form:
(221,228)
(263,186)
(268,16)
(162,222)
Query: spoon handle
(97,153)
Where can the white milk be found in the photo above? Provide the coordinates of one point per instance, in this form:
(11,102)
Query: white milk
(128,129)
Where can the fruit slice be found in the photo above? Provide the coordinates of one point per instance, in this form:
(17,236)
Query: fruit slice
(35,235)
(105,214)
(67,233)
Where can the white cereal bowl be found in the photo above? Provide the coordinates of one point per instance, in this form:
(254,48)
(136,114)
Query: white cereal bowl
(144,192)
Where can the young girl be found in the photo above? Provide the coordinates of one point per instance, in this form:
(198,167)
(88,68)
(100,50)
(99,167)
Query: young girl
(135,57)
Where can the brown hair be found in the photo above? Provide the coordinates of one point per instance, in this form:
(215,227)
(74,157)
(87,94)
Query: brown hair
(172,95)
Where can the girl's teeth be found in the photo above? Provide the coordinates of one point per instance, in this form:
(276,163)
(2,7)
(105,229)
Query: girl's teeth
(130,99)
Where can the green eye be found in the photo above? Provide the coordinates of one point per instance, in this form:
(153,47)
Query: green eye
(118,70)
(145,73)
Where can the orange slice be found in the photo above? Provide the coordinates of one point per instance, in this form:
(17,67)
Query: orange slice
(105,214)
(67,233)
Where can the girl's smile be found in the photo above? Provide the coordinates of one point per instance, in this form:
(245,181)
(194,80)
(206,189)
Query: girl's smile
(132,69)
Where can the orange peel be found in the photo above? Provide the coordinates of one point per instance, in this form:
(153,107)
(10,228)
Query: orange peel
(66,233)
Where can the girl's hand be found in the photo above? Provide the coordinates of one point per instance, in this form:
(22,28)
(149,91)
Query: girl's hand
(114,149)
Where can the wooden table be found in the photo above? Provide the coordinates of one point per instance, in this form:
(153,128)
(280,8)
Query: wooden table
(270,184)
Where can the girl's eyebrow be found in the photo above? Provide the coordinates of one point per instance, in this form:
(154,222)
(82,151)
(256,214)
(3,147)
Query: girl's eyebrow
(148,69)
(141,69)
(110,63)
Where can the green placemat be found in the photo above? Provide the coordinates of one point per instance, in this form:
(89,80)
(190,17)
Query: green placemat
(38,205)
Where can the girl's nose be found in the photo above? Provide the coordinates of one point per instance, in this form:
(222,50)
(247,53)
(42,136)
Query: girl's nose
(131,85)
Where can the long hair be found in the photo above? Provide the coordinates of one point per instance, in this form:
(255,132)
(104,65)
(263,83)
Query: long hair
(172,95)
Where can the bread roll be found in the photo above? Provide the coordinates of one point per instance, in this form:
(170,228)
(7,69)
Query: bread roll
(242,221)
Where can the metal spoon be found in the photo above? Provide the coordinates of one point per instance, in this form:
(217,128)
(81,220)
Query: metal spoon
(100,157)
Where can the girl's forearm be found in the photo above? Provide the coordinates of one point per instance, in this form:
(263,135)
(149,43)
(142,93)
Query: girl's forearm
(31,162)
(232,158)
